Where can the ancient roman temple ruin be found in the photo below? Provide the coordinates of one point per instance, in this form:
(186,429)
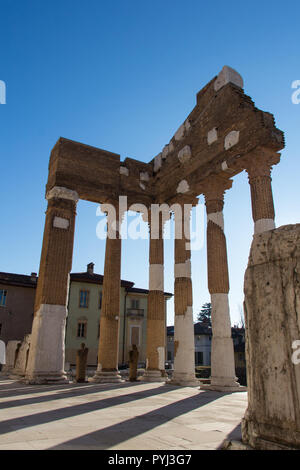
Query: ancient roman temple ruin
(223,135)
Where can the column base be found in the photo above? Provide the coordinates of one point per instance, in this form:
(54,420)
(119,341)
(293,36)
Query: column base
(183,380)
(154,376)
(4,374)
(6,371)
(222,388)
(45,378)
(269,435)
(223,384)
(235,445)
(16,376)
(112,376)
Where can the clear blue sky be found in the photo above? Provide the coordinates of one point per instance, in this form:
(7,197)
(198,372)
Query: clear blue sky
(123,75)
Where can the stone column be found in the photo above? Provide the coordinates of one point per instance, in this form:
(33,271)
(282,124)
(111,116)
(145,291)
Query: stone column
(46,357)
(107,370)
(184,341)
(156,315)
(272,305)
(258,165)
(222,353)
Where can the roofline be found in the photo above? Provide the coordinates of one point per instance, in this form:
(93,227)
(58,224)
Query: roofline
(18,284)
(138,290)
(75,277)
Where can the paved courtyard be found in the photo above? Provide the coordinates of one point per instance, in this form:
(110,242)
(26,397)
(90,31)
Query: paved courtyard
(133,416)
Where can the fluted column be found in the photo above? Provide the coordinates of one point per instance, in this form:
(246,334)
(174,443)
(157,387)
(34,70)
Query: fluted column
(184,341)
(46,357)
(222,353)
(156,315)
(258,166)
(107,370)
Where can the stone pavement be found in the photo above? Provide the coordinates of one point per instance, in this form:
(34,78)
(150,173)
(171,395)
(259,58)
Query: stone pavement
(133,416)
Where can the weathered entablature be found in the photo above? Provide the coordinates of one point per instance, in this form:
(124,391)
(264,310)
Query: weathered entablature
(224,127)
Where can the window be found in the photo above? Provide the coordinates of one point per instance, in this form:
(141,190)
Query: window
(100,299)
(3,295)
(0,328)
(199,357)
(84,298)
(81,329)
(169,356)
(135,303)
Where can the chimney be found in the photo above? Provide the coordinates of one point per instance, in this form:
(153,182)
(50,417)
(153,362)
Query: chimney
(33,277)
(90,268)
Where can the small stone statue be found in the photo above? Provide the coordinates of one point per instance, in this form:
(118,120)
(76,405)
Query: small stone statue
(81,360)
(133,362)
(17,353)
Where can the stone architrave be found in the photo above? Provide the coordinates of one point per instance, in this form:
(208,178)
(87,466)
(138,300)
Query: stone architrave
(258,165)
(272,306)
(46,357)
(184,343)
(222,353)
(107,369)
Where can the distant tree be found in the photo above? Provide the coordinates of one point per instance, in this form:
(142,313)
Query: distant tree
(204,316)
(242,317)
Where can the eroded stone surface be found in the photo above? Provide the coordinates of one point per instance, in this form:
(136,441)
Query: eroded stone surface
(183,187)
(228,75)
(124,171)
(272,306)
(157,162)
(231,139)
(212,136)
(185,154)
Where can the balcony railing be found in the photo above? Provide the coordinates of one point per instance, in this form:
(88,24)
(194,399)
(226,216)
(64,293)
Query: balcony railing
(135,312)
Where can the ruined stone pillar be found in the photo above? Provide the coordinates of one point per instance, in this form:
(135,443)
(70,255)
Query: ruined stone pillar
(222,353)
(258,166)
(156,315)
(107,370)
(272,305)
(184,341)
(46,356)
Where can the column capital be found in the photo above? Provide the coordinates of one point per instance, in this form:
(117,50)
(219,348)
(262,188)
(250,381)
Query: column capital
(62,193)
(259,162)
(214,187)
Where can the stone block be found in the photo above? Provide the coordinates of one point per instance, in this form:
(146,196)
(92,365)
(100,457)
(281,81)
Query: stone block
(272,307)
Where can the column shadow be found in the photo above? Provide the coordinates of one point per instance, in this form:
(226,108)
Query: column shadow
(234,435)
(74,390)
(32,420)
(130,428)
